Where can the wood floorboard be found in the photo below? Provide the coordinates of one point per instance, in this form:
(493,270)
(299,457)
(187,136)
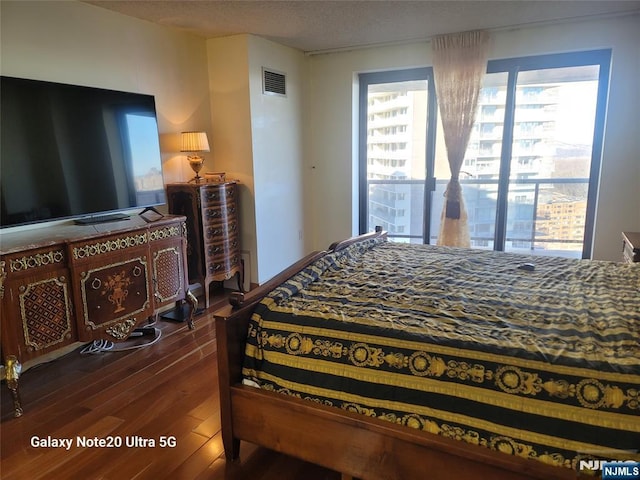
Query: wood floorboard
(200,460)
(168,389)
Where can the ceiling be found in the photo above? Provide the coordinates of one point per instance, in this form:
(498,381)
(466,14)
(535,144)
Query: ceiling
(316,26)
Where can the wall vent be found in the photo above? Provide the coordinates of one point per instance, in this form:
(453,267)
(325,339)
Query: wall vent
(273,83)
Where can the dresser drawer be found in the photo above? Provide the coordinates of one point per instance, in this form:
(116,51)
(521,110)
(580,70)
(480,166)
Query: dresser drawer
(221,249)
(35,261)
(225,268)
(221,230)
(94,249)
(217,214)
(177,230)
(215,195)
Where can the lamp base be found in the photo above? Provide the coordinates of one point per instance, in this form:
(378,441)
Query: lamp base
(196,162)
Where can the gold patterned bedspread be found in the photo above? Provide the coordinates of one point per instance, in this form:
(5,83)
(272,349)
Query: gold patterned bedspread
(542,364)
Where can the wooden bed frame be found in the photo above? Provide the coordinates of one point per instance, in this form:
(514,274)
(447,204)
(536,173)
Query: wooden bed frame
(352,444)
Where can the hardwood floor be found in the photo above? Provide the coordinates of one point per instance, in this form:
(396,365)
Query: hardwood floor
(168,390)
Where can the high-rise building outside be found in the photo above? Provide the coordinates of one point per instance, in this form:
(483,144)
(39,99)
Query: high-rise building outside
(545,212)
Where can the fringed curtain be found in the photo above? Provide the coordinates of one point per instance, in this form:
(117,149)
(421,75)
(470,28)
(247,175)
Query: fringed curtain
(459,64)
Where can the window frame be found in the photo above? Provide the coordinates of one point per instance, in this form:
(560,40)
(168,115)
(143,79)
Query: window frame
(511,66)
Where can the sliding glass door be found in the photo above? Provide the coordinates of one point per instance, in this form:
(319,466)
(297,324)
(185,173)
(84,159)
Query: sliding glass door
(531,168)
(551,154)
(396,108)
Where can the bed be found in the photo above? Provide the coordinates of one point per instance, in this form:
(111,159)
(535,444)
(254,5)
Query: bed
(385,360)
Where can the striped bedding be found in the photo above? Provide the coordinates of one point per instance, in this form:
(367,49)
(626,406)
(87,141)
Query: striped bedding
(543,364)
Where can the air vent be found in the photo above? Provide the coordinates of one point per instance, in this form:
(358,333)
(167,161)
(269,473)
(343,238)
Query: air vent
(273,83)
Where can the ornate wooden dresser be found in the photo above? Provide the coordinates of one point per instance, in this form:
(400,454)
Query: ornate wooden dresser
(69,283)
(213,230)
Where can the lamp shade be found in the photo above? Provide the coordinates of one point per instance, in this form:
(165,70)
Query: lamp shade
(194,142)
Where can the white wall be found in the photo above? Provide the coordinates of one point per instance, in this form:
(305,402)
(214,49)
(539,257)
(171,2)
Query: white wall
(330,182)
(231,147)
(258,140)
(331,140)
(277,124)
(72,42)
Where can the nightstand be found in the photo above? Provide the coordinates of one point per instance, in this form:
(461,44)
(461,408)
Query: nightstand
(631,247)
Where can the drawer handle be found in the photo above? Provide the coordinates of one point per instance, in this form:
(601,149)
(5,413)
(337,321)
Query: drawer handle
(137,271)
(96,284)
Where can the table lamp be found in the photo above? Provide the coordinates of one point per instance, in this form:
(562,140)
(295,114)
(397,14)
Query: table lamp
(194,142)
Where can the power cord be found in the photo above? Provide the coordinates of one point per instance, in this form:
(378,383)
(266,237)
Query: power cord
(101,346)
(97,346)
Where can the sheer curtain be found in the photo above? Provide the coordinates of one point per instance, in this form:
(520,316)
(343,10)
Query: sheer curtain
(459,64)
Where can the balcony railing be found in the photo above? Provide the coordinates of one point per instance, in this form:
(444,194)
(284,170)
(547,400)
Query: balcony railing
(527,211)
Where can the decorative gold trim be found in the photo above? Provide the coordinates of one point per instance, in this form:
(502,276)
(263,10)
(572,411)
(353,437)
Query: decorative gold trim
(99,248)
(24,291)
(12,370)
(116,288)
(83,290)
(11,374)
(162,233)
(121,331)
(37,260)
(192,300)
(3,275)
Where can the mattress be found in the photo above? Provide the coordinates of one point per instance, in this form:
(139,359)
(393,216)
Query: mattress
(542,364)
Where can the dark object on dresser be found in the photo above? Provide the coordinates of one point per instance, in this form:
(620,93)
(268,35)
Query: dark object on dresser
(213,230)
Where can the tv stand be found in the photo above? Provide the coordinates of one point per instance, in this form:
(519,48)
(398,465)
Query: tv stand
(64,284)
(93,219)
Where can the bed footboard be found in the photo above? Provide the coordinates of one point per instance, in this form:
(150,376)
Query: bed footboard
(232,323)
(361,447)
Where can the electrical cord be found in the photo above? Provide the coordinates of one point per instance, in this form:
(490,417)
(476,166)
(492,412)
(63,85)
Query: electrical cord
(97,346)
(102,346)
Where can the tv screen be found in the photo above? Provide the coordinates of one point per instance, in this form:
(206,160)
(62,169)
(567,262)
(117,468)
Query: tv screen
(71,151)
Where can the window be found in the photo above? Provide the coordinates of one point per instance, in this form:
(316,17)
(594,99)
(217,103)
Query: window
(530,172)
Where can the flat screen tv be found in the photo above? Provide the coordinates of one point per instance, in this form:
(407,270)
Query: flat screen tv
(78,152)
